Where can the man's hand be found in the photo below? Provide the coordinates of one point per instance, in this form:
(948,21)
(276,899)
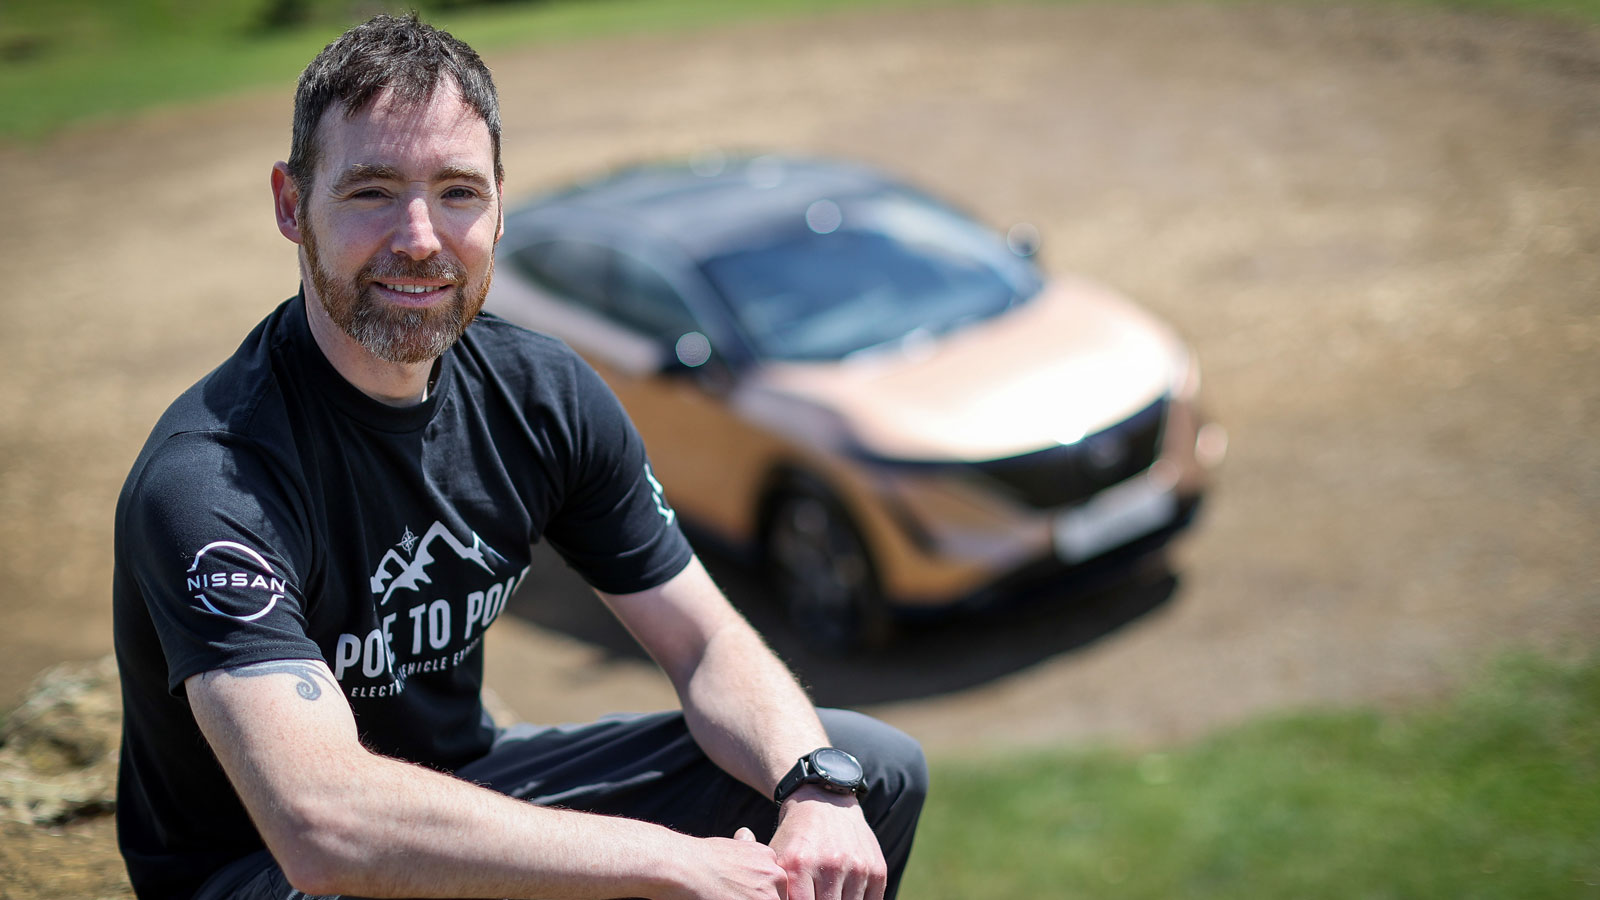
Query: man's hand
(738,869)
(824,843)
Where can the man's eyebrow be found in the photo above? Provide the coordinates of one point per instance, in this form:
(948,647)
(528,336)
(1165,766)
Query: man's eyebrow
(361,172)
(464,173)
(364,172)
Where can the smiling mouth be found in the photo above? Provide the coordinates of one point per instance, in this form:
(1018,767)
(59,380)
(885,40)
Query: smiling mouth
(413,288)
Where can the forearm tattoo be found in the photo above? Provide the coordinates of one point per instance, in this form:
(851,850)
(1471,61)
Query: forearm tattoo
(310,675)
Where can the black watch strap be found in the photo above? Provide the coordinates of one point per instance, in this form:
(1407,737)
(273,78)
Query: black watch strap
(790,782)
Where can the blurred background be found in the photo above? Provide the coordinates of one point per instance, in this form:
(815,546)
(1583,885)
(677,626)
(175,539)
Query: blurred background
(1369,667)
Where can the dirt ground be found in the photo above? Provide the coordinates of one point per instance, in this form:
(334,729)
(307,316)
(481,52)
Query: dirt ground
(1380,229)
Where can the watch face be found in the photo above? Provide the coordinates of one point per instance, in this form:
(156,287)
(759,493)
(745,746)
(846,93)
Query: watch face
(837,766)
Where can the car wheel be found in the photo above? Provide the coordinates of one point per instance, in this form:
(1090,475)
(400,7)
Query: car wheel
(823,573)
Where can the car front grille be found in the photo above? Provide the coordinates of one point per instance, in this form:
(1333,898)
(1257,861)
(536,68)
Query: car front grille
(1061,476)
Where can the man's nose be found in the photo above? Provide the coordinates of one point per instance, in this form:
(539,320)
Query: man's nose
(415,237)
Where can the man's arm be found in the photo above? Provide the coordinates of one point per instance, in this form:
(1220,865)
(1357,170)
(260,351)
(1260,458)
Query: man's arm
(341,820)
(747,712)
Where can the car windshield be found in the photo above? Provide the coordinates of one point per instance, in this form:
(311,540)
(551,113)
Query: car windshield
(868,272)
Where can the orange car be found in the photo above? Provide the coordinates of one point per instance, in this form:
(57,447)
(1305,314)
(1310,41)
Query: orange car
(886,400)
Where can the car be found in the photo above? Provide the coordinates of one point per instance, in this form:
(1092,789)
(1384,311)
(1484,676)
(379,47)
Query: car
(888,403)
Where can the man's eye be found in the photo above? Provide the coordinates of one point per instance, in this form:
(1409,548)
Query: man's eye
(461,193)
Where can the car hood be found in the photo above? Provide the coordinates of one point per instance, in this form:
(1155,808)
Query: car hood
(1073,360)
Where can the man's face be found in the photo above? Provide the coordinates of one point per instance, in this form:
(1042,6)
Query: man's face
(400,223)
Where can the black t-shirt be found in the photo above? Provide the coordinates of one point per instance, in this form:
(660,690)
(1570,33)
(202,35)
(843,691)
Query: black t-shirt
(276,512)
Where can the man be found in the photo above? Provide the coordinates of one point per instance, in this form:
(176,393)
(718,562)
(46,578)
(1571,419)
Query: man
(316,535)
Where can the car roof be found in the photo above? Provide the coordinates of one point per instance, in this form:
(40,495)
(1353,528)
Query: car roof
(704,208)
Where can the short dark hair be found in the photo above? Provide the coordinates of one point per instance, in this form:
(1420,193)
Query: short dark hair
(402,54)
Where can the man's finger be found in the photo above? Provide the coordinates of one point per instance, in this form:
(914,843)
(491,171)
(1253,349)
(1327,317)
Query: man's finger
(744,834)
(801,887)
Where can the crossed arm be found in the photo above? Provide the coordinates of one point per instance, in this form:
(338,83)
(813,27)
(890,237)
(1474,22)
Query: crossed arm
(340,819)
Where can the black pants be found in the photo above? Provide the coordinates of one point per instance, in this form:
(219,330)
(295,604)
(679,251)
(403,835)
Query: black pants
(648,767)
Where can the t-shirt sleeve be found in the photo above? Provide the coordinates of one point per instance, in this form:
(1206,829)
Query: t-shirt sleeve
(615,526)
(214,540)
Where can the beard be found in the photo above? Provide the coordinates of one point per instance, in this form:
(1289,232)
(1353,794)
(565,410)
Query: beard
(393,333)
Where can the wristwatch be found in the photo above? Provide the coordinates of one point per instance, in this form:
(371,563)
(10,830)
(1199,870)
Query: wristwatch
(827,767)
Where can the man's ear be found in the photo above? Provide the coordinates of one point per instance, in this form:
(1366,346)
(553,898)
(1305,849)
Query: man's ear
(286,201)
(500,192)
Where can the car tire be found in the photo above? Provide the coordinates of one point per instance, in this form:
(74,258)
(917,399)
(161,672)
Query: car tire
(822,572)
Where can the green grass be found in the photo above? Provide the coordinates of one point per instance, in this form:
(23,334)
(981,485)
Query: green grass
(69,61)
(1495,795)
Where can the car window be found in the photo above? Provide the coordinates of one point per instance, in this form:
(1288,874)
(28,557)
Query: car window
(622,287)
(871,271)
(577,270)
(644,300)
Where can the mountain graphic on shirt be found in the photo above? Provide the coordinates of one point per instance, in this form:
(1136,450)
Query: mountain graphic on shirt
(414,572)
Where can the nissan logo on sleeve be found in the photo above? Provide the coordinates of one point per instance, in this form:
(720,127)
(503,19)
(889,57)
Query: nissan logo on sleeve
(230,579)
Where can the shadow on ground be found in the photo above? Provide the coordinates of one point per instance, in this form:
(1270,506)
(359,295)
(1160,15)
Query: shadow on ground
(927,658)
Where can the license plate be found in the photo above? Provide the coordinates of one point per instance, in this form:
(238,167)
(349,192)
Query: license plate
(1115,516)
